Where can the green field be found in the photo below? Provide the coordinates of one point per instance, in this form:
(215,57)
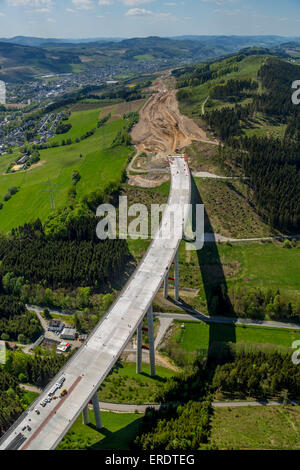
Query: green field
(261,264)
(119,430)
(81,121)
(256,428)
(97,167)
(196,335)
(123,385)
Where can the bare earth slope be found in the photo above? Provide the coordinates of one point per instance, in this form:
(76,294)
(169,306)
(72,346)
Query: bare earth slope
(162,129)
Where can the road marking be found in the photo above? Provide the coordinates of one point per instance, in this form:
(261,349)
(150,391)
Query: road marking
(52,413)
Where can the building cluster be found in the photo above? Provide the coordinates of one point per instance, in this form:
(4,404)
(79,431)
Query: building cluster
(49,87)
(14,132)
(44,90)
(65,333)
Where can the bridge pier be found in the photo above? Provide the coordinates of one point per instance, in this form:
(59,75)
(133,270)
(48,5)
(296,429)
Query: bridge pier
(139,349)
(166,286)
(85,415)
(176,272)
(151,340)
(97,411)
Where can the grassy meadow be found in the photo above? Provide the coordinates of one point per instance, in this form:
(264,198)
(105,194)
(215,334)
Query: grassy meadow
(123,385)
(196,335)
(97,166)
(256,428)
(118,431)
(261,265)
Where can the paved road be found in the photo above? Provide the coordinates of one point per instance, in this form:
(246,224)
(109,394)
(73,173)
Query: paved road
(53,311)
(197,316)
(89,366)
(164,324)
(127,408)
(215,237)
(206,174)
(31,388)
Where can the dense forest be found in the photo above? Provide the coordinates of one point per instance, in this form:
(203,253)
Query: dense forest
(235,373)
(37,369)
(273,167)
(16,323)
(233,90)
(10,401)
(61,261)
(260,375)
(184,428)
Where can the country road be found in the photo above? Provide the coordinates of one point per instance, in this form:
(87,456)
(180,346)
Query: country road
(128,408)
(193,315)
(132,408)
(197,316)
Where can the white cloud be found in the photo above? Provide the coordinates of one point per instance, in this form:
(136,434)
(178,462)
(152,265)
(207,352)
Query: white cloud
(42,10)
(142,12)
(104,3)
(139,12)
(132,3)
(30,3)
(83,4)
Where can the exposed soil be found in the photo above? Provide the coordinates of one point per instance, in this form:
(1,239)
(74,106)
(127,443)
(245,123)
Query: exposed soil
(35,165)
(162,130)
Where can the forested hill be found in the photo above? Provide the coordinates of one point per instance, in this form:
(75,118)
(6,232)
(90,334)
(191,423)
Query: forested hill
(249,109)
(37,56)
(13,55)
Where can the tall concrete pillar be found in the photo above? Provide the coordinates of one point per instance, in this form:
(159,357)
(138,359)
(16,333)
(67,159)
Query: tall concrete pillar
(166,286)
(176,271)
(85,415)
(151,340)
(97,411)
(139,350)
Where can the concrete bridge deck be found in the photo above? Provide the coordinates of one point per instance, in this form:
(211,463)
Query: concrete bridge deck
(87,369)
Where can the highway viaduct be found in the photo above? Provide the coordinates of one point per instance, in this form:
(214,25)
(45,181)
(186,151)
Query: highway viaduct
(90,365)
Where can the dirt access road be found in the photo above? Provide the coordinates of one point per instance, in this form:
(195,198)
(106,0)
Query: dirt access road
(162,129)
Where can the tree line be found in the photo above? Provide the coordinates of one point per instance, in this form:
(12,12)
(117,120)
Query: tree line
(16,323)
(272,165)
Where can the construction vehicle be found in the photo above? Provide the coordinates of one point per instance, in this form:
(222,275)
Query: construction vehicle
(63,392)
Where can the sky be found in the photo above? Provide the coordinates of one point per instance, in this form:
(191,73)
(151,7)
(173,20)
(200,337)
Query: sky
(142,18)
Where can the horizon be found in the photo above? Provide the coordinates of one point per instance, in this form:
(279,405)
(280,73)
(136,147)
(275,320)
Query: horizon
(144,18)
(75,38)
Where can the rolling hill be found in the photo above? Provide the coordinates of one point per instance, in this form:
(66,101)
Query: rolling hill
(23,57)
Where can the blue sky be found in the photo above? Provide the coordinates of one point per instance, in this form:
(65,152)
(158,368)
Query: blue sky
(130,18)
